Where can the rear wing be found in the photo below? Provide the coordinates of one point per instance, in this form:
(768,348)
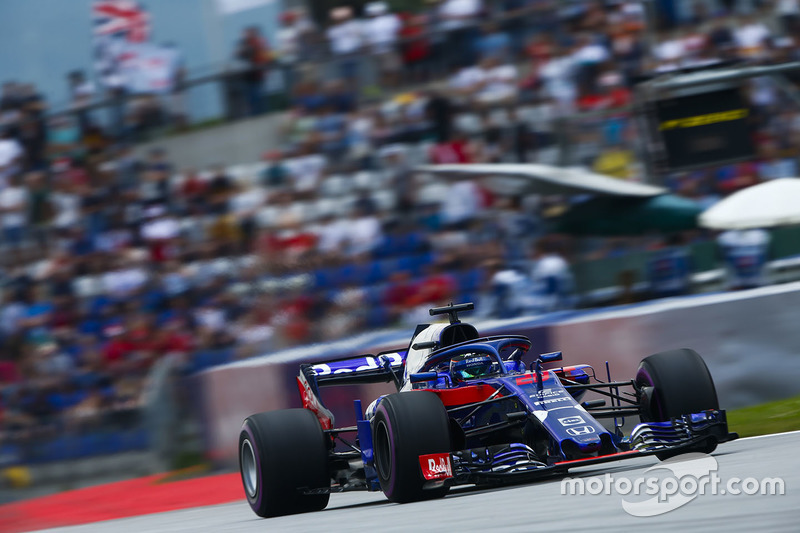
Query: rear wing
(362,369)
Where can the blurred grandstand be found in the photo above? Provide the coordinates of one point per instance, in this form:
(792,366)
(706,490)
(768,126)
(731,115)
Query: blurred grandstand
(114,261)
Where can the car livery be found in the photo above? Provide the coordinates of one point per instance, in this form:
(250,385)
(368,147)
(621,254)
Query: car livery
(469,411)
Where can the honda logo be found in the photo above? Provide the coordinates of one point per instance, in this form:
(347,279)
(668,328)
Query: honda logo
(583,430)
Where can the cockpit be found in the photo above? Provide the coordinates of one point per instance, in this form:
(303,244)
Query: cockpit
(465,367)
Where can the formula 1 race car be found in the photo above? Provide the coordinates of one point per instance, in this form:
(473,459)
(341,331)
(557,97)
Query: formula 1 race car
(468,411)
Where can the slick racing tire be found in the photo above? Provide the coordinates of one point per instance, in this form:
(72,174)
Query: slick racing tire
(281,455)
(407,425)
(676,383)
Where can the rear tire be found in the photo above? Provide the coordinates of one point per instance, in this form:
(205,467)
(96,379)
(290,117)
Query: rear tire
(678,383)
(407,425)
(281,454)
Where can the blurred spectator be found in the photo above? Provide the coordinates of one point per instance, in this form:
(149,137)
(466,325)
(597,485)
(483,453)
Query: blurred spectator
(788,12)
(497,85)
(244,204)
(398,298)
(253,50)
(156,171)
(439,110)
(11,155)
(160,232)
(435,42)
(438,285)
(193,193)
(551,276)
(417,48)
(13,207)
(340,97)
(557,74)
(331,233)
(669,269)
(81,93)
(346,39)
(218,191)
(306,170)
(745,253)
(752,37)
(401,177)
(177,98)
(33,139)
(40,209)
(276,174)
(358,138)
(330,127)
(589,55)
(288,46)
(460,18)
(364,231)
(493,43)
(452,151)
(463,203)
(772,166)
(381,31)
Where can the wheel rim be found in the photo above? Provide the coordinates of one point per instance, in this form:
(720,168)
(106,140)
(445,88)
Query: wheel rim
(249,470)
(383,450)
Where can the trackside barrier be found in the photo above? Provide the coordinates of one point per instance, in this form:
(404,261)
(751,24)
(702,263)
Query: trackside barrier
(749,339)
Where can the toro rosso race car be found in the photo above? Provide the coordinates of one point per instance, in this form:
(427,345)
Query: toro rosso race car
(468,411)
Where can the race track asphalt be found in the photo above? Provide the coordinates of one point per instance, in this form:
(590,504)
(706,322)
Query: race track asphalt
(535,507)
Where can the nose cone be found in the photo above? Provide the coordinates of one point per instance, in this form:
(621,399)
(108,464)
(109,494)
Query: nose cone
(581,447)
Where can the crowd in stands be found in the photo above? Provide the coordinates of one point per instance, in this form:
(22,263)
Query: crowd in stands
(112,261)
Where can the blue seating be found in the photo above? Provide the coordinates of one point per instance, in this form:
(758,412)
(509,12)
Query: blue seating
(415,264)
(58,449)
(412,243)
(115,443)
(136,439)
(385,248)
(374,273)
(88,445)
(207,358)
(324,278)
(377,317)
(402,244)
(470,280)
(350,274)
(373,296)
(69,447)
(10,454)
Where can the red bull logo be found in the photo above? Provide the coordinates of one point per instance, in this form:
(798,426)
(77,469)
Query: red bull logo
(436,466)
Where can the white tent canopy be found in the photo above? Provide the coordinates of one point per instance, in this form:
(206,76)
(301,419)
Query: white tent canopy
(770,204)
(546,179)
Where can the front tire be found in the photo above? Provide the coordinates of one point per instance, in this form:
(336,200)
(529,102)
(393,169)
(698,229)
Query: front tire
(407,425)
(281,454)
(676,383)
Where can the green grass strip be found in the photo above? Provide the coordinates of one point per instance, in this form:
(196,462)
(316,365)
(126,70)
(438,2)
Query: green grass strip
(772,417)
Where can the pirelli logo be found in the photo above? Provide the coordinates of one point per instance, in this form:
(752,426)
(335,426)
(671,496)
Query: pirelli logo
(704,120)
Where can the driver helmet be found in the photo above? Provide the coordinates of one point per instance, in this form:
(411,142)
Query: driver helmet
(470,366)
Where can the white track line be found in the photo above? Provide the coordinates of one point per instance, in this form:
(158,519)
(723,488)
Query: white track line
(770,435)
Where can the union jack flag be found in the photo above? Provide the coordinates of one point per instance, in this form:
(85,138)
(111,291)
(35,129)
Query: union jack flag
(121,18)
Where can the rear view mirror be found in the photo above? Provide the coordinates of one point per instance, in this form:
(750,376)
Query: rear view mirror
(550,357)
(423,376)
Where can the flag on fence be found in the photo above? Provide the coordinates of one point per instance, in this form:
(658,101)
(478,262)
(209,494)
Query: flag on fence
(123,56)
(121,18)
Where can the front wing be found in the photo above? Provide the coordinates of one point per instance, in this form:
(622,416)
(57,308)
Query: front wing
(516,463)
